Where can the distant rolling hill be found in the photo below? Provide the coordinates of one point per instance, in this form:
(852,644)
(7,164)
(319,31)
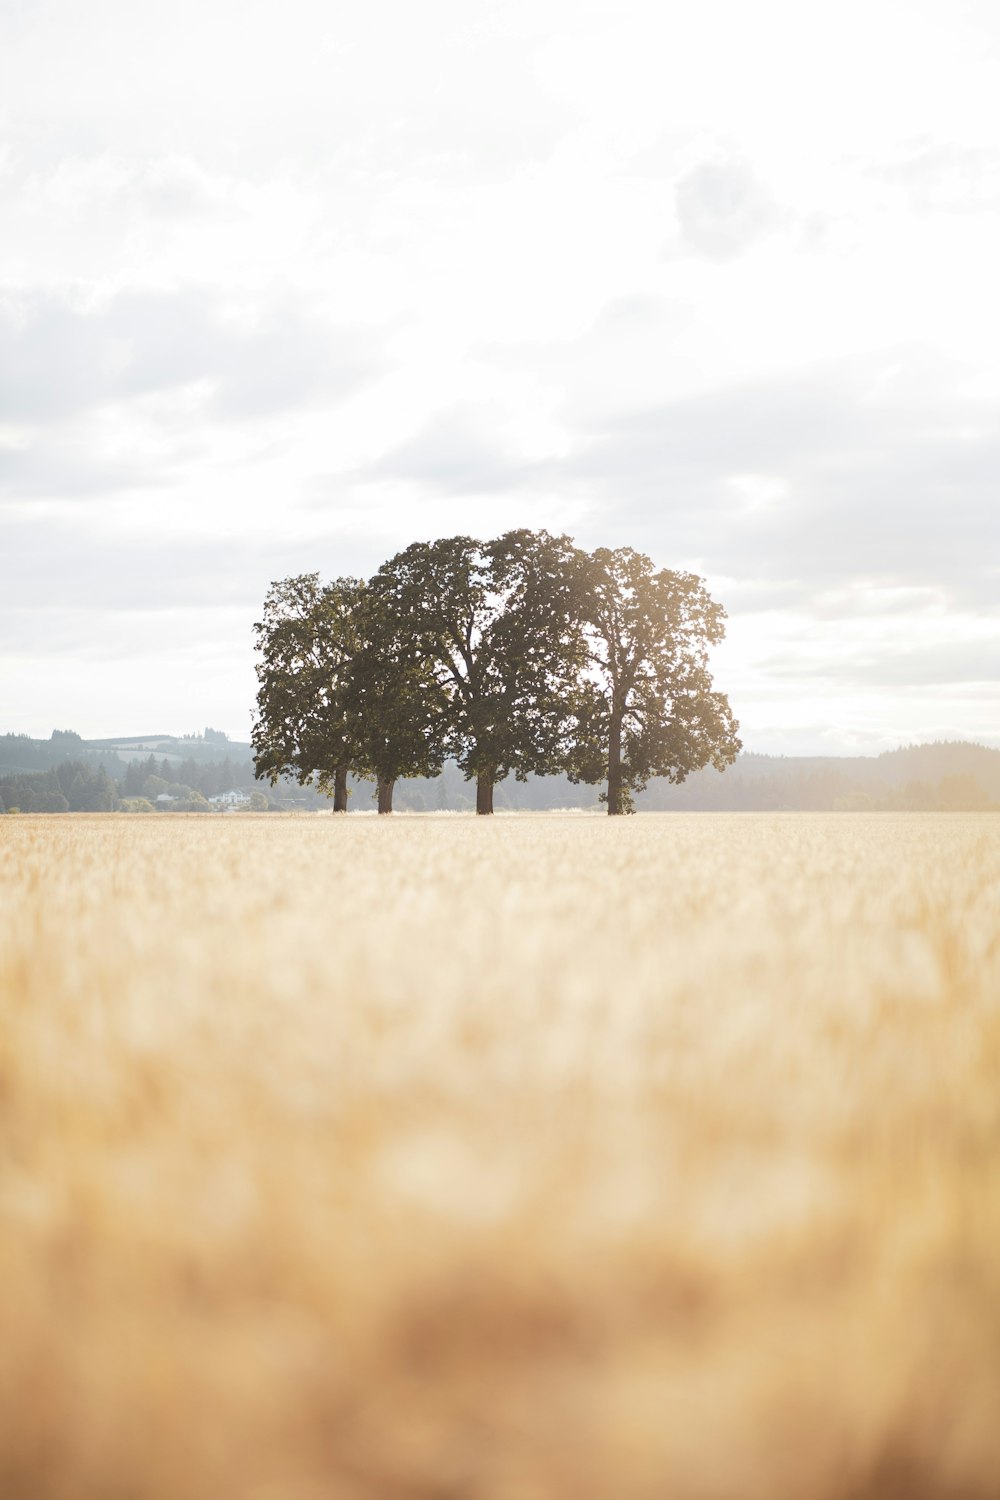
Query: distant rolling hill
(947,773)
(172,746)
(18,752)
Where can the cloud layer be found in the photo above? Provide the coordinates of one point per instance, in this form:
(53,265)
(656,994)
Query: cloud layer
(287,292)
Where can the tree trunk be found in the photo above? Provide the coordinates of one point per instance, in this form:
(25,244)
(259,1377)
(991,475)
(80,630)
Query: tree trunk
(615,768)
(340,789)
(385,796)
(484,795)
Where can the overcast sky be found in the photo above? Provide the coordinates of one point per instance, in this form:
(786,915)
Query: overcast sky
(284,288)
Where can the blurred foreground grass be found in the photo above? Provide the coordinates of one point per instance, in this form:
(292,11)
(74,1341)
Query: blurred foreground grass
(513,1159)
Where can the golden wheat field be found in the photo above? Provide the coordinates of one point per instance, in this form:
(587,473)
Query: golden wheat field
(533,1158)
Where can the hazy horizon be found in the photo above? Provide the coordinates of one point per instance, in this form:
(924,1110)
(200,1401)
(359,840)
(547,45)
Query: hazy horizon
(193,736)
(284,295)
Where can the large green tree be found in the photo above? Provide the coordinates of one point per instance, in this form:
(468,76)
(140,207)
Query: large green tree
(338,692)
(306,640)
(497,627)
(396,709)
(645,703)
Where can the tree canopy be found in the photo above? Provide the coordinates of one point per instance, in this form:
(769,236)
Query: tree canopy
(307,641)
(338,692)
(518,655)
(645,703)
(396,709)
(494,625)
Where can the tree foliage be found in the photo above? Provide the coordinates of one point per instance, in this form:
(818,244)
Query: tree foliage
(645,704)
(72,786)
(307,641)
(395,706)
(493,623)
(521,655)
(338,692)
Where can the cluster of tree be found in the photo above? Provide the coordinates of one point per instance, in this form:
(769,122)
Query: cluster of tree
(143,785)
(518,656)
(940,760)
(143,778)
(79,786)
(72,786)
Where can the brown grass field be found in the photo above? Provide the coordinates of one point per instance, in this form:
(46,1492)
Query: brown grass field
(533,1158)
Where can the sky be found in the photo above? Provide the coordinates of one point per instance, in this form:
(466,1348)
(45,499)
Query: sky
(285,288)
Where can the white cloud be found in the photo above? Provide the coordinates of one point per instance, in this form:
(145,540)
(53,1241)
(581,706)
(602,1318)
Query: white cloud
(57,358)
(722,208)
(284,290)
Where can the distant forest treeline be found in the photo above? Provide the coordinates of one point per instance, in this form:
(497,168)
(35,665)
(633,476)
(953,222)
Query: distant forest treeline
(68,773)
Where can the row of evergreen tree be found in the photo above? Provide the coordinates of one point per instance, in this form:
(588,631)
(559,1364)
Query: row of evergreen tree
(521,655)
(72,786)
(79,786)
(149,777)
